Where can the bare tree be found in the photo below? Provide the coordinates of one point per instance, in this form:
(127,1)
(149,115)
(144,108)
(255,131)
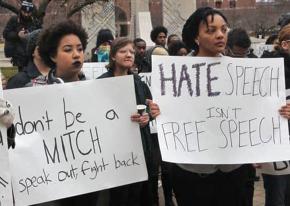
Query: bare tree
(40,11)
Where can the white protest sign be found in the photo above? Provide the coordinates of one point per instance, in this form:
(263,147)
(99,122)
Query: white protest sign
(5,178)
(261,47)
(220,110)
(94,70)
(146,77)
(75,138)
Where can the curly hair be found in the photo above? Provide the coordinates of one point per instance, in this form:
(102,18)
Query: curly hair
(157,30)
(238,37)
(104,35)
(137,40)
(191,27)
(175,47)
(50,38)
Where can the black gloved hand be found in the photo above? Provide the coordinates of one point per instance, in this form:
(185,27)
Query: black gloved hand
(11,136)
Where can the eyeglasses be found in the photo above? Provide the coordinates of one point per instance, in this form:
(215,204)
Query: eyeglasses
(241,54)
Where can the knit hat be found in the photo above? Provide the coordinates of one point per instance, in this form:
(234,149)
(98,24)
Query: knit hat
(104,35)
(27,6)
(32,42)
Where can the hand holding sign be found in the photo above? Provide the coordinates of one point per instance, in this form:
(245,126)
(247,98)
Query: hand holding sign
(6,113)
(215,124)
(143,119)
(154,108)
(285,111)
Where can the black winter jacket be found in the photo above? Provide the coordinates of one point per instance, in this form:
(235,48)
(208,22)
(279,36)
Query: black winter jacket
(14,46)
(25,76)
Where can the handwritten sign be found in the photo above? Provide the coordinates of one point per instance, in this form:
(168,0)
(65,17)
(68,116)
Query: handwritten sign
(94,70)
(220,110)
(75,138)
(261,47)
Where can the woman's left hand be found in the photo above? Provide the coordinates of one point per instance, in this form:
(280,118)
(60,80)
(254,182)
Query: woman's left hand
(285,111)
(143,119)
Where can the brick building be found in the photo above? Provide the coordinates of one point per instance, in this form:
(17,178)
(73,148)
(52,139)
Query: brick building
(227,4)
(249,14)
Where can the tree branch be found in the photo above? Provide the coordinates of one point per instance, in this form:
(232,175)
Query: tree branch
(41,10)
(9,7)
(79,6)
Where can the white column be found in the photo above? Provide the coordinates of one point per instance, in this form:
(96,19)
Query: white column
(175,14)
(136,7)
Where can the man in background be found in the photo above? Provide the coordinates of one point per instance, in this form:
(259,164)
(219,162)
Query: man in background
(15,34)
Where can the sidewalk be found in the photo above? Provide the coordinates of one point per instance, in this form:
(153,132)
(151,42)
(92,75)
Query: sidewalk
(259,195)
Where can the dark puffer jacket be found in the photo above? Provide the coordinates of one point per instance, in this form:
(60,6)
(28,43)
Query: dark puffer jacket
(14,46)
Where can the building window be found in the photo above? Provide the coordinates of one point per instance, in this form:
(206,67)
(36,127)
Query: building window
(232,4)
(218,4)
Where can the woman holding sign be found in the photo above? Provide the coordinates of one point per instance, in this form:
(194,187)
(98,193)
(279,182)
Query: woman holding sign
(277,187)
(61,47)
(120,63)
(205,32)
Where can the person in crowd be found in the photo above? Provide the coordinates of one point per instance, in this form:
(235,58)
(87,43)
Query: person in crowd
(35,66)
(61,48)
(159,35)
(15,34)
(100,53)
(277,187)
(155,50)
(121,61)
(172,38)
(178,48)
(156,161)
(140,58)
(238,45)
(205,32)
